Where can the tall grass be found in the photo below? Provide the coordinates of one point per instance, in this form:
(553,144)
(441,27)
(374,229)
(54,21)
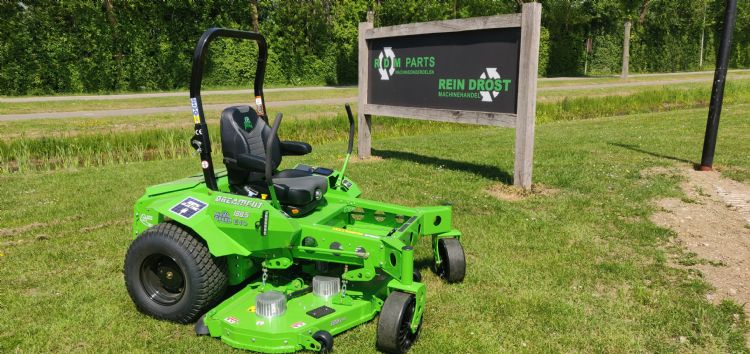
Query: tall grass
(651,100)
(48,153)
(24,154)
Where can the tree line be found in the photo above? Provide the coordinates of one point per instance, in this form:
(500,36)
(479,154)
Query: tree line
(50,46)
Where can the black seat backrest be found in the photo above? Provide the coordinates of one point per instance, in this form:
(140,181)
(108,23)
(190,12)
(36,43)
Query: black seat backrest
(243,132)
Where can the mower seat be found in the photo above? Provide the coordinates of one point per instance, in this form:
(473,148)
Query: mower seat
(244,136)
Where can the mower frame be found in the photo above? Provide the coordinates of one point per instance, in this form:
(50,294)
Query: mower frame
(369,245)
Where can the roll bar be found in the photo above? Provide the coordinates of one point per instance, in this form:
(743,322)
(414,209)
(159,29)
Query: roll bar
(200,141)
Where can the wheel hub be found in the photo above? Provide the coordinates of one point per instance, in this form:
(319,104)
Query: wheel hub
(162,279)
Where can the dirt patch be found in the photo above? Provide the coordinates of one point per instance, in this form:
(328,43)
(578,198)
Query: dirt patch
(712,222)
(106,224)
(36,225)
(513,194)
(356,159)
(21,229)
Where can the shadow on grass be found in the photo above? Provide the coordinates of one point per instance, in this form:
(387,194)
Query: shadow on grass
(423,264)
(489,172)
(636,148)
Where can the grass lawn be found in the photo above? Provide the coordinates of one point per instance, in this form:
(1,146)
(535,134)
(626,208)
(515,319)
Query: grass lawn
(93,105)
(556,94)
(615,79)
(35,128)
(552,90)
(577,269)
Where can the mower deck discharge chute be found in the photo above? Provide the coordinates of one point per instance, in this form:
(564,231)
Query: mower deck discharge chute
(313,259)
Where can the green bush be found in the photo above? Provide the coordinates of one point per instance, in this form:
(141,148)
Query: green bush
(543,51)
(80,46)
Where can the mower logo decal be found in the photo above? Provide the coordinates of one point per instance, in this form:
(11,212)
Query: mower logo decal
(231,320)
(238,202)
(337,321)
(146,220)
(223,217)
(296,325)
(188,207)
(194,106)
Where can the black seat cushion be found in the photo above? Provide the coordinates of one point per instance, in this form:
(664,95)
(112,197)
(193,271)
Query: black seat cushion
(244,136)
(292,173)
(301,190)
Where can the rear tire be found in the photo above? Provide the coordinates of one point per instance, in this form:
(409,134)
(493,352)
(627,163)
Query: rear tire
(171,275)
(452,267)
(394,325)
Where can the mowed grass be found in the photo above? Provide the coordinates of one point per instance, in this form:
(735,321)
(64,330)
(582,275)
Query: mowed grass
(551,90)
(172,101)
(615,79)
(577,269)
(555,94)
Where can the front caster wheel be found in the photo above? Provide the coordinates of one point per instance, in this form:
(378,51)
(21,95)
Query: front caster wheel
(417,276)
(452,265)
(171,275)
(394,325)
(326,341)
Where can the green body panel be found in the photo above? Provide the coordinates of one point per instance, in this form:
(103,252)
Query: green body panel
(367,244)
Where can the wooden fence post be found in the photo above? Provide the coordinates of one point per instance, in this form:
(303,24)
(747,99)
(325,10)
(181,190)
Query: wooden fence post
(626,51)
(364,121)
(531,18)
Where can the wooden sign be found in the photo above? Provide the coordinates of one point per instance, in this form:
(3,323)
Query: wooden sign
(480,70)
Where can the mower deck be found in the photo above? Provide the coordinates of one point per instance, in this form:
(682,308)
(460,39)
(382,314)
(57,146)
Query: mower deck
(237,324)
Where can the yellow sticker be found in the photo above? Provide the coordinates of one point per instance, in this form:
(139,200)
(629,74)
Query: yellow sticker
(348,231)
(251,309)
(194,108)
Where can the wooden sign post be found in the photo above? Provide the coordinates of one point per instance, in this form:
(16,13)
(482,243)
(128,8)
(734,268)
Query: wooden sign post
(480,70)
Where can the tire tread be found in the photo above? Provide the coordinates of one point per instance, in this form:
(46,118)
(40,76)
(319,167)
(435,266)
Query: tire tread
(212,274)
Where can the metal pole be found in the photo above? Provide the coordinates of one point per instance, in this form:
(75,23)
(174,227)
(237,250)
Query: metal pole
(626,51)
(703,36)
(717,93)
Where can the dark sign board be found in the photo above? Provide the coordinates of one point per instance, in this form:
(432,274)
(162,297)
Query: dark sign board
(479,70)
(468,70)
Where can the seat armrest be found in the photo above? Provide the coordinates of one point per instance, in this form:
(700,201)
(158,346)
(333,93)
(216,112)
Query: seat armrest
(250,162)
(295,148)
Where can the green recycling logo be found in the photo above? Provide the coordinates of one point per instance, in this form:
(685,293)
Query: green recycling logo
(488,95)
(387,68)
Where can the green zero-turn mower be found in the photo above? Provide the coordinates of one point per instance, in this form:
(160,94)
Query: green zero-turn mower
(311,258)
